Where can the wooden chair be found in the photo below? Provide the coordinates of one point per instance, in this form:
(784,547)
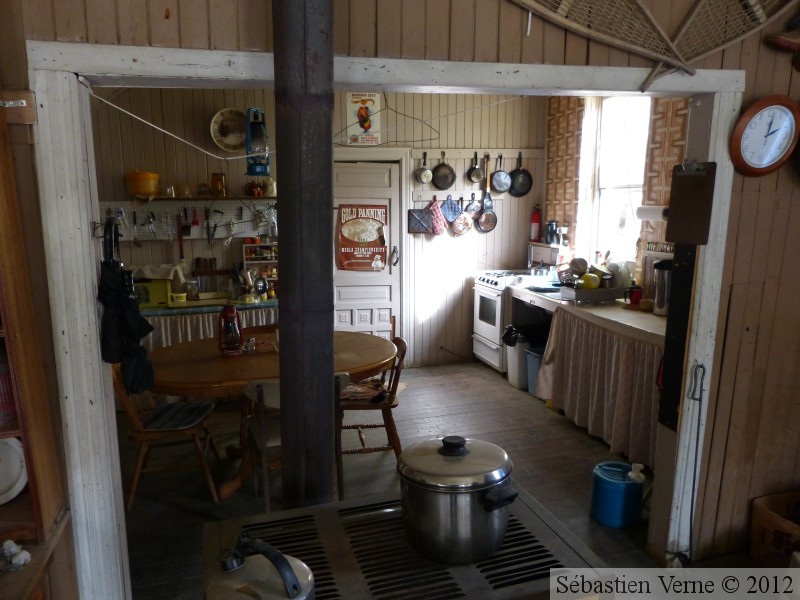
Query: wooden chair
(264,437)
(378,394)
(174,423)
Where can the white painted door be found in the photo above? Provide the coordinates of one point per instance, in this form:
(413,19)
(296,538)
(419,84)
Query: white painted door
(366,270)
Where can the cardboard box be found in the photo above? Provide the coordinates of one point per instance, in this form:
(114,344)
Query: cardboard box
(775,529)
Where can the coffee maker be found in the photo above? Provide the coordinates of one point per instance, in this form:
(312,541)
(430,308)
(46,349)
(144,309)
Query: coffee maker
(551,234)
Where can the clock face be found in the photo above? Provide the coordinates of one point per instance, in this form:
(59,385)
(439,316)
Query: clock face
(767,137)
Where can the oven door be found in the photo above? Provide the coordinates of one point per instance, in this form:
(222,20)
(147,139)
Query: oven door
(488,314)
(490,353)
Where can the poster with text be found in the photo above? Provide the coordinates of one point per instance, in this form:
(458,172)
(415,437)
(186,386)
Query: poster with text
(361,237)
(363,118)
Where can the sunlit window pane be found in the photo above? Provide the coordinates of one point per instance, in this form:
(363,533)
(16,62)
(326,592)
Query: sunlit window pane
(623,141)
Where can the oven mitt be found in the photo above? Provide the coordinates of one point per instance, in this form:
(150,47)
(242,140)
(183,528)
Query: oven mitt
(450,209)
(439,223)
(420,220)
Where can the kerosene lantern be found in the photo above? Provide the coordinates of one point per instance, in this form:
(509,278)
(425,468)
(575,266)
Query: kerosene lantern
(229,332)
(257,143)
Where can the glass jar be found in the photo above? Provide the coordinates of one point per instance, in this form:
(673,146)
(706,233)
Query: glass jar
(191,290)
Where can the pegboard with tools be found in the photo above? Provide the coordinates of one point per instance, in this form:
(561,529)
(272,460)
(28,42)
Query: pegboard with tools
(199,218)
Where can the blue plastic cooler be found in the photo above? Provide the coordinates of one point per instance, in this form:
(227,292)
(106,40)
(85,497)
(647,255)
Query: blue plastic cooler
(616,500)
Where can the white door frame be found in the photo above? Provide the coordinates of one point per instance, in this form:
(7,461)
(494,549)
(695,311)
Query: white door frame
(69,203)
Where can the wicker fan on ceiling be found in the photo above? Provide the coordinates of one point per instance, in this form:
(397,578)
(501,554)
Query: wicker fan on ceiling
(709,26)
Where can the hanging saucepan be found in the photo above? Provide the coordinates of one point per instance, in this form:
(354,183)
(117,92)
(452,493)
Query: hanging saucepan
(521,180)
(443,175)
(473,208)
(424,174)
(475,173)
(488,218)
(501,181)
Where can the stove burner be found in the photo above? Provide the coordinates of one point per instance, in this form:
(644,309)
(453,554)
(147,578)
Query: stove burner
(498,279)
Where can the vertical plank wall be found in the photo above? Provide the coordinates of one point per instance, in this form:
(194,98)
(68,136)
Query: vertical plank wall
(441,268)
(754,401)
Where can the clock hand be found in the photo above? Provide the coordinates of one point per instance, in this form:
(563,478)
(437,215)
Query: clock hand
(769,127)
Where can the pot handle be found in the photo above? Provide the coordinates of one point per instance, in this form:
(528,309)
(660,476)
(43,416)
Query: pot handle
(287,574)
(498,497)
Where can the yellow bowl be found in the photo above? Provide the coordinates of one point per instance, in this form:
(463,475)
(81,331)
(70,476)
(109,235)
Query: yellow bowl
(177,297)
(142,183)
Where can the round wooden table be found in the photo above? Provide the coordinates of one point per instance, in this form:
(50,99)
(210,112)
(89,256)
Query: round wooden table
(198,368)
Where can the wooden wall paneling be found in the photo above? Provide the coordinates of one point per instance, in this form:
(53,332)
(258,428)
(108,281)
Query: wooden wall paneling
(341,27)
(223,19)
(390,36)
(576,49)
(533,42)
(599,54)
(431,103)
(733,373)
(38,21)
(254,23)
(363,15)
(103,142)
(13,72)
(437,30)
(70,21)
(132,23)
(101,25)
(513,24)
(463,32)
(488,120)
(456,122)
(193,18)
(164,25)
(486,30)
(414,26)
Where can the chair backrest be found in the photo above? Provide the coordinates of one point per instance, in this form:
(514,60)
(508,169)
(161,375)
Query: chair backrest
(397,366)
(135,406)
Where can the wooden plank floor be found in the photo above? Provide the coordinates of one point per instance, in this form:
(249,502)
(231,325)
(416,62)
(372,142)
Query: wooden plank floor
(553,460)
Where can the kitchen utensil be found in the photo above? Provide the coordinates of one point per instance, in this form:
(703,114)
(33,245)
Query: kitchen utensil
(424,174)
(195,218)
(208,226)
(450,209)
(136,241)
(456,493)
(521,180)
(268,575)
(551,233)
(179,229)
(187,226)
(473,208)
(463,222)
(259,286)
(501,181)
(443,175)
(475,173)
(487,220)
(13,473)
(579,266)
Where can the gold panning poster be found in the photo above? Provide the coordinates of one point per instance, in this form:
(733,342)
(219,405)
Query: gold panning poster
(362,239)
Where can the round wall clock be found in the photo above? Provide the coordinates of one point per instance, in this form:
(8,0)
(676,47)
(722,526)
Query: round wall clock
(228,129)
(765,135)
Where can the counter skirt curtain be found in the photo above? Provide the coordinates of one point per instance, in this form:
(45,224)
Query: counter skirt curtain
(604,381)
(173,329)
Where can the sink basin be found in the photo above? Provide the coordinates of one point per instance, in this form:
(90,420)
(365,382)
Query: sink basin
(544,289)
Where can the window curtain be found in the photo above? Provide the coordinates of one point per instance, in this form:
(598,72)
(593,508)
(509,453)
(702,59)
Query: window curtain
(585,237)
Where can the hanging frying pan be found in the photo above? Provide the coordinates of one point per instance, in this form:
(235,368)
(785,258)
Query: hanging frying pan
(475,173)
(463,222)
(521,180)
(443,175)
(488,218)
(473,208)
(424,174)
(501,181)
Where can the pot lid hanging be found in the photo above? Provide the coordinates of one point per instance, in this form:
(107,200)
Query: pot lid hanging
(454,463)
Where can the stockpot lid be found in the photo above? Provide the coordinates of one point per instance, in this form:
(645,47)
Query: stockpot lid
(454,463)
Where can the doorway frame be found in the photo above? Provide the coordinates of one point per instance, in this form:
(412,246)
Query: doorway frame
(65,176)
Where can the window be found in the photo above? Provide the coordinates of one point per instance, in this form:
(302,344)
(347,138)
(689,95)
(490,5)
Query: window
(613,149)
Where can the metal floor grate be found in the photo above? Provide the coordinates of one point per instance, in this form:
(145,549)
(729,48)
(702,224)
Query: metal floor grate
(361,552)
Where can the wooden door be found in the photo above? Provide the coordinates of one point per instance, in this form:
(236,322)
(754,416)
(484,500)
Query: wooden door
(366,270)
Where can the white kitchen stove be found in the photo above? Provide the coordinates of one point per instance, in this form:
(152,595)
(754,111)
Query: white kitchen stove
(499,280)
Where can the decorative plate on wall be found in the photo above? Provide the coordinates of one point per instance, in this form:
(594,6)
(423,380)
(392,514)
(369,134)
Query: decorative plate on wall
(228,129)
(13,475)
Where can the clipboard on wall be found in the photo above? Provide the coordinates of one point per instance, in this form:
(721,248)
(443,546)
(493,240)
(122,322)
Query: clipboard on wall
(690,201)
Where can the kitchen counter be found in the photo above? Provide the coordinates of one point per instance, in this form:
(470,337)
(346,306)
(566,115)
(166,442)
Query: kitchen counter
(643,326)
(199,307)
(600,368)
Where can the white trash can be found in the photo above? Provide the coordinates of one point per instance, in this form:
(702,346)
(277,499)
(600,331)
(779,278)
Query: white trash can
(517,364)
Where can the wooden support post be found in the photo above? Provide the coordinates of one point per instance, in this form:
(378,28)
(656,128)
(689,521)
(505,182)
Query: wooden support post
(303,33)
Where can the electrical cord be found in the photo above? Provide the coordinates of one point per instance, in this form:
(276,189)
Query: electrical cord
(696,394)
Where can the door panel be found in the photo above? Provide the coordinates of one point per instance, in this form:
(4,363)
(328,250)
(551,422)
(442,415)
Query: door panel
(367,300)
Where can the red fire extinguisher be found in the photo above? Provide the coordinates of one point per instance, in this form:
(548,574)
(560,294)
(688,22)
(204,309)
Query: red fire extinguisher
(536,223)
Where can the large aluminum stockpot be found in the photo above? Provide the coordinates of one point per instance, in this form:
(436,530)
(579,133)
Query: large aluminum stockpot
(456,493)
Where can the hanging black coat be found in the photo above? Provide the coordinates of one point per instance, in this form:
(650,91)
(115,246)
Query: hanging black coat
(122,327)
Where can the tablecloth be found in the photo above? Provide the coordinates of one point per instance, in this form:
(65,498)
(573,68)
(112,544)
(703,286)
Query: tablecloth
(604,381)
